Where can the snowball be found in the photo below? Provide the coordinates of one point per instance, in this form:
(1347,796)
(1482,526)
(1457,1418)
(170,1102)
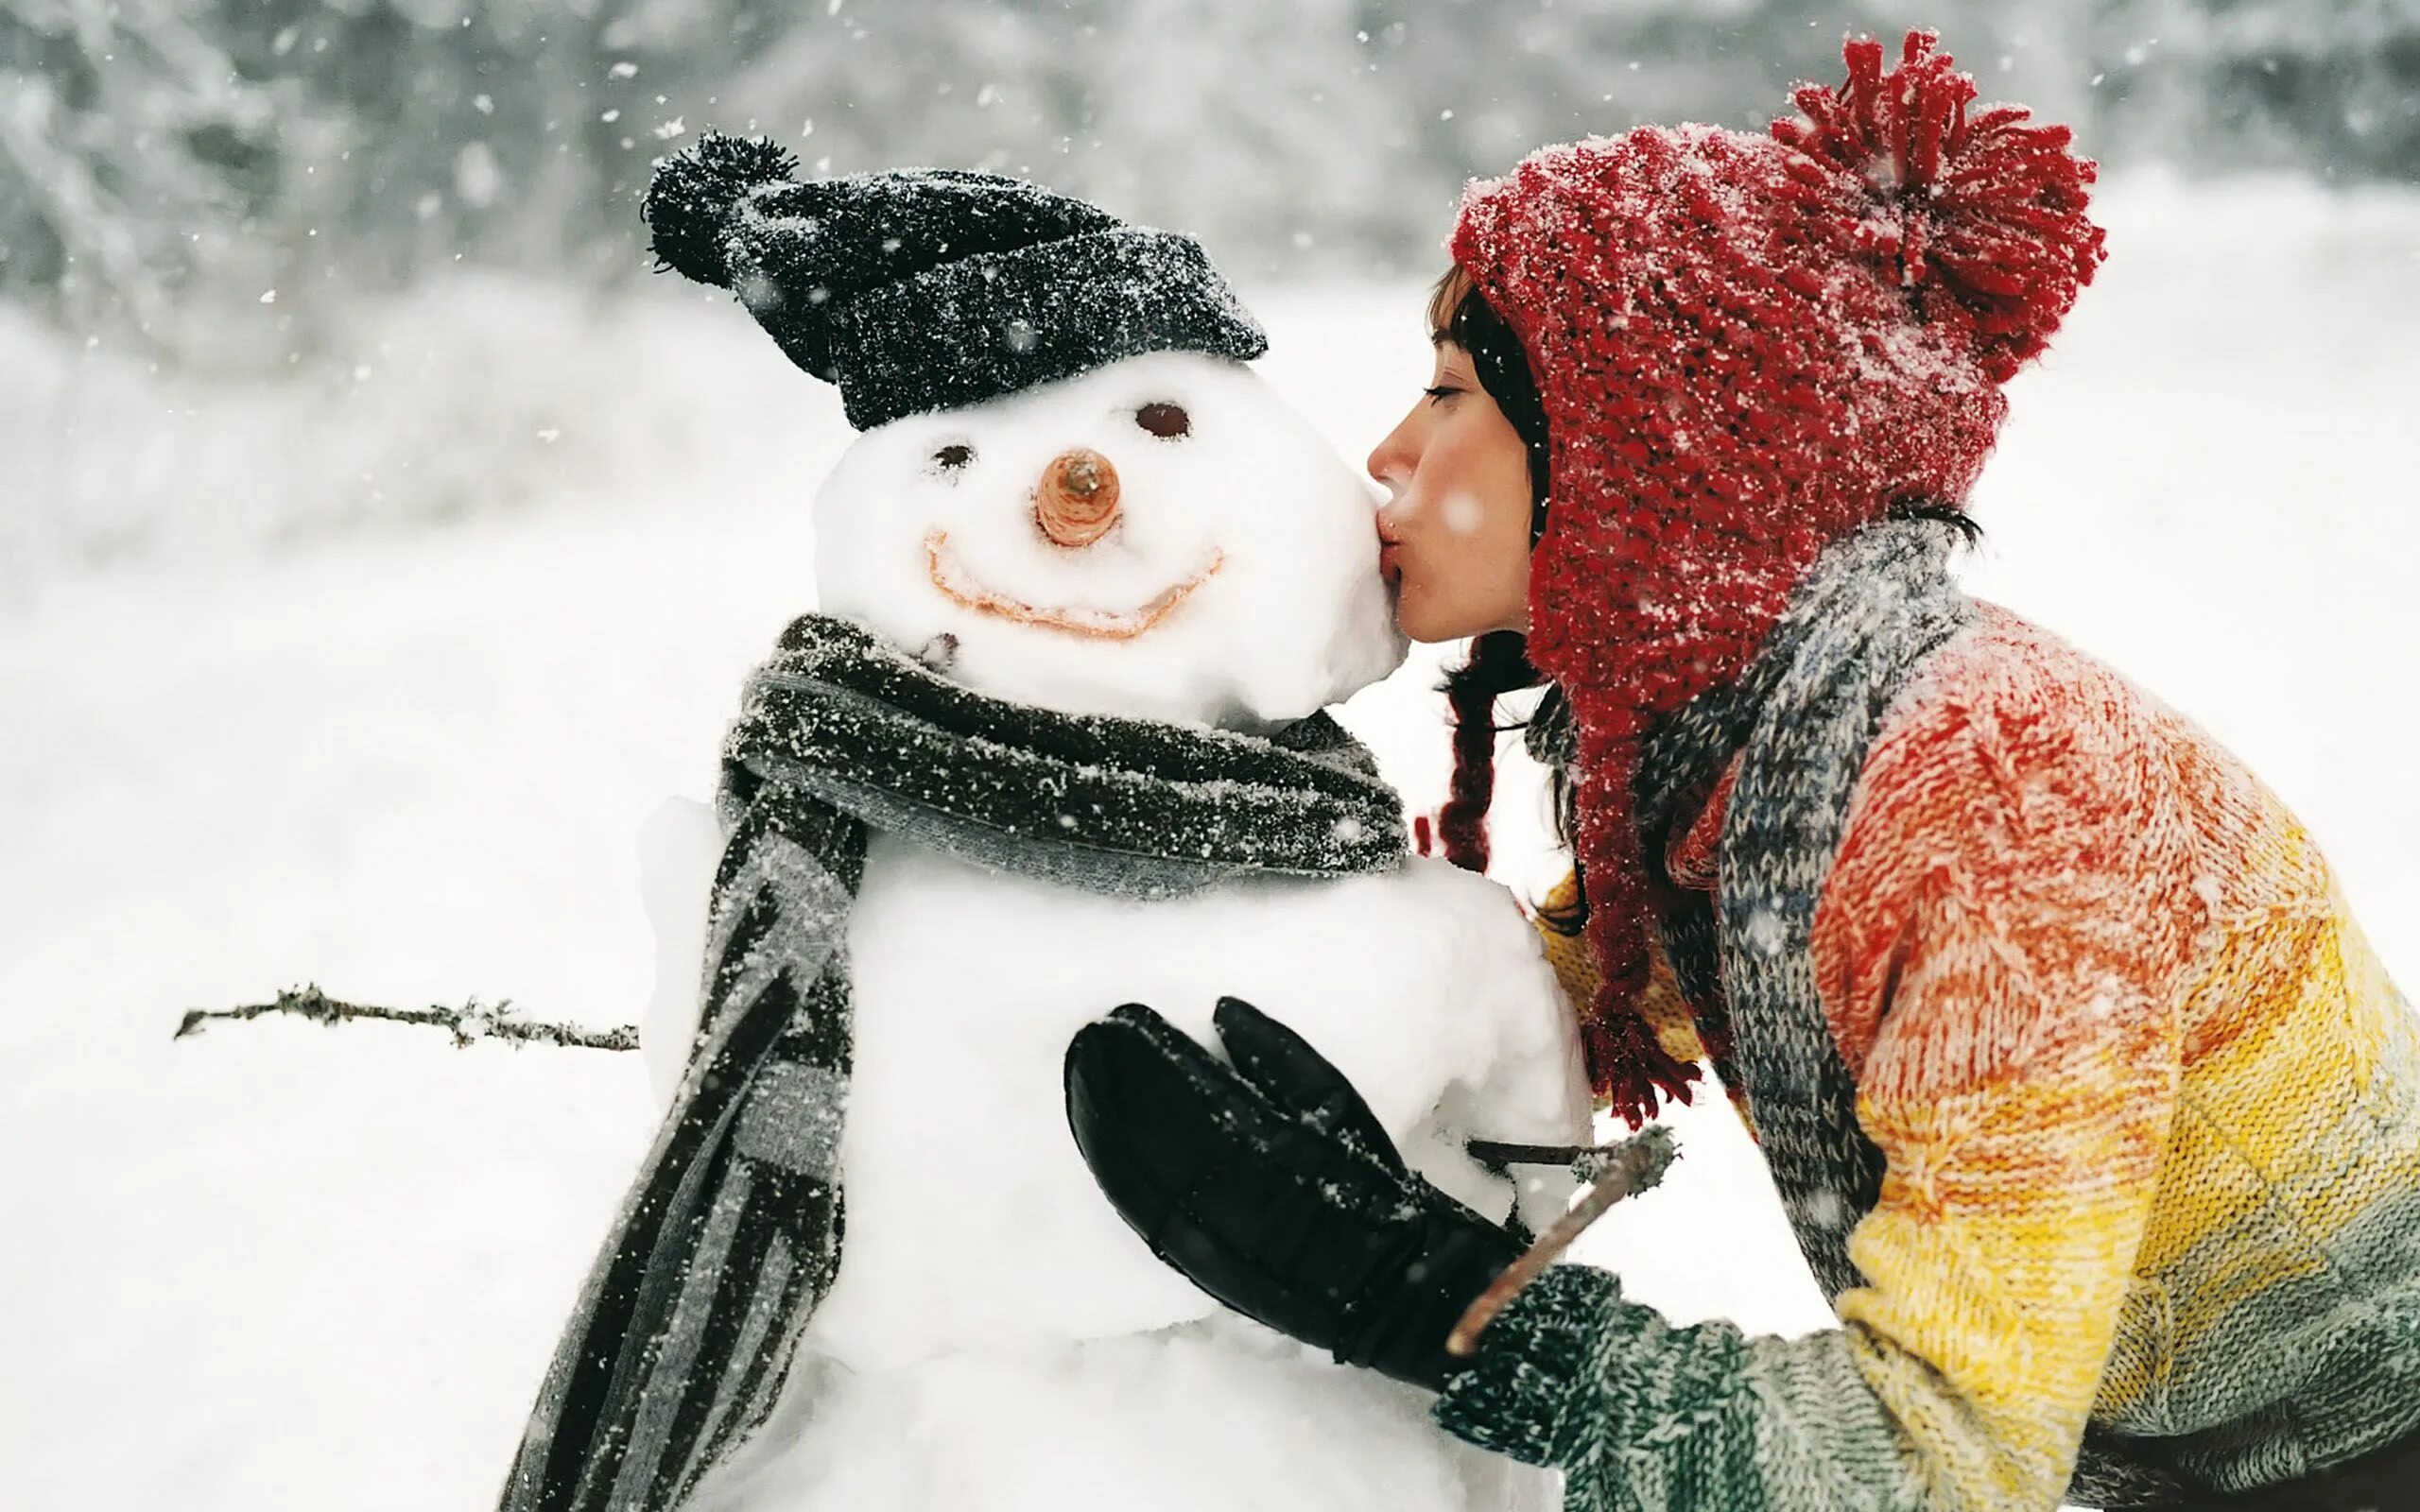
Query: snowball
(1287,611)
(996,1337)
(1425,986)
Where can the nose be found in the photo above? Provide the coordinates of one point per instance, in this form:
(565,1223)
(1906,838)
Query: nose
(1076,502)
(1382,467)
(1394,459)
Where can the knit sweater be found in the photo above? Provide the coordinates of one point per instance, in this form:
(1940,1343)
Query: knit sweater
(2147,1113)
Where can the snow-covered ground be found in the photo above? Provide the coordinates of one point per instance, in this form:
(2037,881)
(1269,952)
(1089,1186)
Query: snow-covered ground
(401,741)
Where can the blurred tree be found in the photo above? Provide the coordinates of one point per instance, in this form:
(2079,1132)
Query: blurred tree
(135,160)
(162,154)
(2328,86)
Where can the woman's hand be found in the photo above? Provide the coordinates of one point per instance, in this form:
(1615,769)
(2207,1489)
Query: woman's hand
(1270,1185)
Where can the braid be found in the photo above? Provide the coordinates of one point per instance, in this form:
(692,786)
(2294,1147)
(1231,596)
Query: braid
(1499,664)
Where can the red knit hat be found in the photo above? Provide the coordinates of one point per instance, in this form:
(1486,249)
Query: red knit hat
(1748,346)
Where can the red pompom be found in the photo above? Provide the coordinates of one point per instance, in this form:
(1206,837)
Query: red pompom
(1990,208)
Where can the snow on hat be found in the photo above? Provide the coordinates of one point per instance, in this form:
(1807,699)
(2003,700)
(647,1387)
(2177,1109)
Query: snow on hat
(1748,346)
(933,288)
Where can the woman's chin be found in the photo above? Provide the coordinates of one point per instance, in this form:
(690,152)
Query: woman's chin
(1443,629)
(1420,621)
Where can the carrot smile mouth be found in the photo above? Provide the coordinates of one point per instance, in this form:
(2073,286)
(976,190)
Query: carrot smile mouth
(960,587)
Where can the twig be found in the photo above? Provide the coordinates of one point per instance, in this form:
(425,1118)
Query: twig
(1496,1153)
(472,1022)
(1623,1169)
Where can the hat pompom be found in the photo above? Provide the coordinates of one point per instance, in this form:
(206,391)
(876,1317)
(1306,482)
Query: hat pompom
(689,205)
(1990,208)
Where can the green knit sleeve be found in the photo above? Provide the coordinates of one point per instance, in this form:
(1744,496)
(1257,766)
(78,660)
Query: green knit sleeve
(1643,1416)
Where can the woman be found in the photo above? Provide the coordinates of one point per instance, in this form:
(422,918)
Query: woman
(2093,1111)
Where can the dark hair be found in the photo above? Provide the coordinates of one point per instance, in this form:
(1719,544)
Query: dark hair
(1459,313)
(1499,662)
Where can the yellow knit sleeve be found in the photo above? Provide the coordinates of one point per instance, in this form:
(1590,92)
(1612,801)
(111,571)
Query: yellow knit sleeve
(2009,914)
(1575,966)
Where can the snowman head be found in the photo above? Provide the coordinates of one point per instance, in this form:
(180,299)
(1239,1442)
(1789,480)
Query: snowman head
(1162,538)
(1070,490)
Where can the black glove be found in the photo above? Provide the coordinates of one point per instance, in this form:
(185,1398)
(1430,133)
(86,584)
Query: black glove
(1270,1185)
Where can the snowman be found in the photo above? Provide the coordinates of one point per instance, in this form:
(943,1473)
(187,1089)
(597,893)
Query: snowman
(1052,743)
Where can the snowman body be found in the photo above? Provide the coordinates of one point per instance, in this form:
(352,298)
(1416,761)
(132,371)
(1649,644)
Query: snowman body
(996,1337)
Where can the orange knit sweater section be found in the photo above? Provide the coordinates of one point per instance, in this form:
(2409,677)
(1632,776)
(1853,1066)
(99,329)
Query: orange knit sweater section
(2149,1104)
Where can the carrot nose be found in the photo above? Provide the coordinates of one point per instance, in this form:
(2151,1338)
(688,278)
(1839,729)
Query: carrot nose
(1078,500)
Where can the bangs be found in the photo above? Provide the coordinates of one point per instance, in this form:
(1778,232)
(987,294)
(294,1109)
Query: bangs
(1446,302)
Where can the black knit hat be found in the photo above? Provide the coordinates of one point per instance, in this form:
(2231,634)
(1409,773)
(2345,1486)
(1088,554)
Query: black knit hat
(933,288)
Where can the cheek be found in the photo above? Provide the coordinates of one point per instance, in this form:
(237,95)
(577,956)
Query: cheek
(1508,517)
(1474,503)
(1450,487)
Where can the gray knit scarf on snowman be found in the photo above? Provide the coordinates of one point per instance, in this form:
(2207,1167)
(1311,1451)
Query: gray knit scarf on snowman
(731,1234)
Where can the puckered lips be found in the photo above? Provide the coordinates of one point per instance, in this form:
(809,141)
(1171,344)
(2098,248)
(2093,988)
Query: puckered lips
(965,589)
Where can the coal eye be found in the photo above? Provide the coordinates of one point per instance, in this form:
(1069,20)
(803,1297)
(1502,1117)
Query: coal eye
(1165,420)
(953,456)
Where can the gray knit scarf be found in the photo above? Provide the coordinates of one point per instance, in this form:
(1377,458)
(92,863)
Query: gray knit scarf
(1805,713)
(731,1234)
